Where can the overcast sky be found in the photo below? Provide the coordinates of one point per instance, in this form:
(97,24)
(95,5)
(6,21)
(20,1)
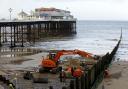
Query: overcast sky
(81,9)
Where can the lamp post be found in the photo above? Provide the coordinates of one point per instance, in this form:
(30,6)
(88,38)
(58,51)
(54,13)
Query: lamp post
(10,10)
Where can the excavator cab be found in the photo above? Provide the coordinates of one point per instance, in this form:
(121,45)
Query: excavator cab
(49,64)
(52,56)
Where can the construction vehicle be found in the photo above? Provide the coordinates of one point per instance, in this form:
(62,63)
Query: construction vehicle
(50,63)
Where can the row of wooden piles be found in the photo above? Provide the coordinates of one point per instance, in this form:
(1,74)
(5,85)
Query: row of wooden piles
(18,33)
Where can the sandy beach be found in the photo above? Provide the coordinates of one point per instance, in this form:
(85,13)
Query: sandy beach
(118,76)
(24,61)
(118,71)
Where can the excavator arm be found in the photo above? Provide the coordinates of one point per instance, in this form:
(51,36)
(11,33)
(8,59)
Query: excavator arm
(70,52)
(84,54)
(63,52)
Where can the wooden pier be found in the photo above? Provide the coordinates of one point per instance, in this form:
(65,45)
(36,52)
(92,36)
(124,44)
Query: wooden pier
(17,33)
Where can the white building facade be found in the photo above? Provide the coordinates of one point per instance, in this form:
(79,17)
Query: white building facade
(46,14)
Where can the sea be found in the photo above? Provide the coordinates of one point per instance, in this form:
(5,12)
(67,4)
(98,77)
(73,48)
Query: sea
(97,37)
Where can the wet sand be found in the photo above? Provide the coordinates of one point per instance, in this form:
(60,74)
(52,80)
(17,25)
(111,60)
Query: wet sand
(26,60)
(10,66)
(16,55)
(118,76)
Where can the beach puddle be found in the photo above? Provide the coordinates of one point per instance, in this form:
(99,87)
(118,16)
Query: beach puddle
(17,52)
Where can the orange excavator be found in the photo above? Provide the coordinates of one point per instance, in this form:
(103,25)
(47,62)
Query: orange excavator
(51,62)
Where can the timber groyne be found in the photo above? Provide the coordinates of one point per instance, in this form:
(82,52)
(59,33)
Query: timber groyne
(17,33)
(94,75)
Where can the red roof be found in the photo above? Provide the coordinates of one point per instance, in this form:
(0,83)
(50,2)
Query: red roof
(47,9)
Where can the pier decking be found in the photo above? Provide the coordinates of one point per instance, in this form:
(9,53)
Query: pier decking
(17,33)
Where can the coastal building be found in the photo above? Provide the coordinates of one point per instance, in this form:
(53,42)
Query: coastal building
(22,15)
(46,14)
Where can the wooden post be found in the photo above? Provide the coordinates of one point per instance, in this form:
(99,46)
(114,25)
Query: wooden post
(86,80)
(39,30)
(77,83)
(45,30)
(47,27)
(72,84)
(64,87)
(57,26)
(50,87)
(11,36)
(5,34)
(29,33)
(0,37)
(89,78)
(22,41)
(42,28)
(74,27)
(83,81)
(14,33)
(34,33)
(96,68)
(49,30)
(17,27)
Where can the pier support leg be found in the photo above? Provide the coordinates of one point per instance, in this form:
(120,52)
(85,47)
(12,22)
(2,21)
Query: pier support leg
(11,37)
(3,34)
(34,33)
(22,41)
(0,37)
(39,28)
(29,33)
(17,33)
(14,33)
